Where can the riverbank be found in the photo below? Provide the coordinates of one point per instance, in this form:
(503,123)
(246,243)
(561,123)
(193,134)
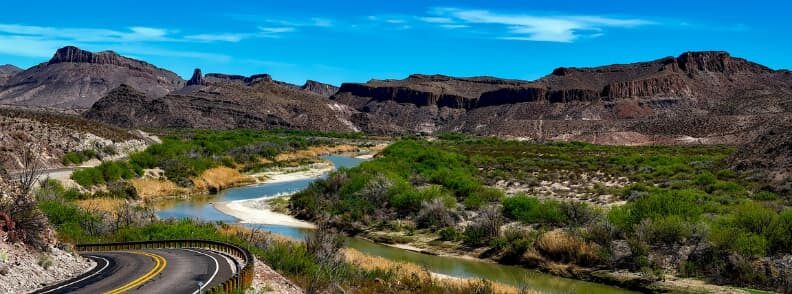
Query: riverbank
(257,211)
(427,243)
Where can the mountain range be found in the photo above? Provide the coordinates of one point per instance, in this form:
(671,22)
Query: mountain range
(696,97)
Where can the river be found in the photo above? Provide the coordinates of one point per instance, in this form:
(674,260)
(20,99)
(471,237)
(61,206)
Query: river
(201,208)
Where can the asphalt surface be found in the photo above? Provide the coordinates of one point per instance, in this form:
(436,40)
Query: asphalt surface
(150,271)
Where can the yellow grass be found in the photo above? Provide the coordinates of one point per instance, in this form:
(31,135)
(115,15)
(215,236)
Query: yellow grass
(219,178)
(148,189)
(245,233)
(315,151)
(560,243)
(405,269)
(101,205)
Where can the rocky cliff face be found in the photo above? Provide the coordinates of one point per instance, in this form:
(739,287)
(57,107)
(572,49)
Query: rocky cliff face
(75,78)
(320,89)
(196,79)
(696,97)
(728,100)
(223,102)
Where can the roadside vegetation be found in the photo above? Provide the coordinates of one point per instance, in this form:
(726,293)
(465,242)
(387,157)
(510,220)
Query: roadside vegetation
(676,210)
(200,161)
(318,265)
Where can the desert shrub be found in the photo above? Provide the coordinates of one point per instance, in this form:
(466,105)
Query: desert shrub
(530,210)
(435,214)
(514,243)
(77,157)
(669,229)
(45,261)
(484,228)
(449,234)
(29,222)
(577,213)
(482,196)
(602,232)
(106,172)
(118,189)
(780,232)
(72,223)
(745,230)
(657,204)
(764,196)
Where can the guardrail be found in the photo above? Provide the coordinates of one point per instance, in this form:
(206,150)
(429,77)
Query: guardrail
(240,281)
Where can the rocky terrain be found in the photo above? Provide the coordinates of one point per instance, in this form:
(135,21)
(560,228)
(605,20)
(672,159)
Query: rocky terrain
(52,135)
(698,97)
(6,71)
(75,78)
(769,157)
(25,267)
(705,97)
(221,101)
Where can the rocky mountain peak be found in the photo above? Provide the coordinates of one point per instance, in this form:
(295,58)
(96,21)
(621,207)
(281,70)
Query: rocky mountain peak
(77,55)
(197,78)
(9,69)
(322,89)
(716,61)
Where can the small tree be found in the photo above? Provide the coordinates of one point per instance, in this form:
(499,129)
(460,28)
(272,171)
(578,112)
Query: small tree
(31,166)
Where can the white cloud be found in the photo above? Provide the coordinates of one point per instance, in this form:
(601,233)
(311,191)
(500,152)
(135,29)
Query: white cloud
(276,30)
(147,33)
(454,26)
(435,19)
(222,37)
(86,34)
(322,22)
(28,46)
(536,27)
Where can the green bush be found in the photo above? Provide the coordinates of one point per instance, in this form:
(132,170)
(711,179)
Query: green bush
(483,196)
(658,204)
(104,173)
(780,232)
(449,234)
(530,210)
(77,157)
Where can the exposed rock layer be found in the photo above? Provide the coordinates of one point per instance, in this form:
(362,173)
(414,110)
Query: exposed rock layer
(697,97)
(76,78)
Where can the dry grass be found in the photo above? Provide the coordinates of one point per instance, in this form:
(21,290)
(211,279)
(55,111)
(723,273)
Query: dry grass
(250,234)
(562,246)
(149,189)
(405,269)
(219,178)
(102,205)
(315,151)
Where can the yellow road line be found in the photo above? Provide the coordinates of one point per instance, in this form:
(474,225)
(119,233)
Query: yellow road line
(159,265)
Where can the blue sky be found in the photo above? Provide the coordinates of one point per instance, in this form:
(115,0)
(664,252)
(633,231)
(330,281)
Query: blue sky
(337,41)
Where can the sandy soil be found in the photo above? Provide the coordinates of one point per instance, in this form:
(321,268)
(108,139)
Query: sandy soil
(257,211)
(313,171)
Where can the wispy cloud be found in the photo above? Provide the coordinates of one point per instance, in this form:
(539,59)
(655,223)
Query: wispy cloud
(320,22)
(218,37)
(531,27)
(276,30)
(42,41)
(135,33)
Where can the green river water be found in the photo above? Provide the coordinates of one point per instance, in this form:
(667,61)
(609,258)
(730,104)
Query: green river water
(201,208)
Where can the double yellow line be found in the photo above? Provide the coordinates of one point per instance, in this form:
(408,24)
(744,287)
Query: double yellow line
(159,265)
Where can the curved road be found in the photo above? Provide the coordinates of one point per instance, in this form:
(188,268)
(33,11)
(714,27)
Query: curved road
(150,271)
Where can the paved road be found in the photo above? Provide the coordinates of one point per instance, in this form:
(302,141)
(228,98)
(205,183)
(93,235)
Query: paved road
(150,271)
